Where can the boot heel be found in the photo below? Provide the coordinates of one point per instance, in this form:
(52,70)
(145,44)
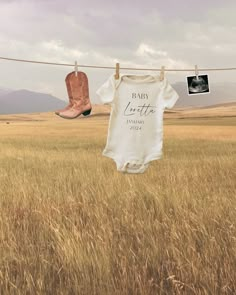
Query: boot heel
(86,113)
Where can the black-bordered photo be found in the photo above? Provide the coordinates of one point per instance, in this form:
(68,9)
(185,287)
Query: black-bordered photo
(198,84)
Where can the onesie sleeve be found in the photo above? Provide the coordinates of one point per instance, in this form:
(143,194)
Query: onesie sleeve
(170,96)
(106,91)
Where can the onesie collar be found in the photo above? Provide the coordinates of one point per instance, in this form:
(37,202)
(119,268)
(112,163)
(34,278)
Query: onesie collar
(137,79)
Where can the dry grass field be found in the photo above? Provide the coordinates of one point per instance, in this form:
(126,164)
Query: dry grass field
(71,224)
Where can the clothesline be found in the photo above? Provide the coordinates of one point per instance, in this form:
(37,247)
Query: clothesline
(122,68)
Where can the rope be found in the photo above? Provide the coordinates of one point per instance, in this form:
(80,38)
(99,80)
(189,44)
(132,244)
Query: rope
(122,68)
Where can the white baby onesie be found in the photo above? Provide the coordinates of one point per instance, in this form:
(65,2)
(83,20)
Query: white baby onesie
(135,132)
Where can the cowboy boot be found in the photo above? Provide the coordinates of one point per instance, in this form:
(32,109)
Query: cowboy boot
(69,94)
(79,91)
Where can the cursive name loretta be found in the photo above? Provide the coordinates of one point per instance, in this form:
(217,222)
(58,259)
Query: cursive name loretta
(143,110)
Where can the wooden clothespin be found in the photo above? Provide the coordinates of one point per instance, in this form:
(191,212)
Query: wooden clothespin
(196,71)
(117,75)
(76,69)
(162,73)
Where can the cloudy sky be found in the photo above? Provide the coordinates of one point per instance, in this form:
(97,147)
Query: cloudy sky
(150,33)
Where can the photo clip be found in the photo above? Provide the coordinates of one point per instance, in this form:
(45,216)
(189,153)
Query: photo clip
(196,72)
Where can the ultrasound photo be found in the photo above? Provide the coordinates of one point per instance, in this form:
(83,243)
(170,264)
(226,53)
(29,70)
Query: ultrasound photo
(198,84)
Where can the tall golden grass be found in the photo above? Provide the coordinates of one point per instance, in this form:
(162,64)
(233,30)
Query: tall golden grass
(71,224)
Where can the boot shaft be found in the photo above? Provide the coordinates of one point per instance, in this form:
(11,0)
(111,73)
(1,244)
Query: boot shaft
(77,86)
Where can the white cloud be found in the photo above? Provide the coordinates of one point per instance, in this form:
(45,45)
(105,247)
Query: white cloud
(150,34)
(145,50)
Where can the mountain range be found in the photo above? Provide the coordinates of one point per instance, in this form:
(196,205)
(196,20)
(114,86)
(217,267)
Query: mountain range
(25,101)
(219,93)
